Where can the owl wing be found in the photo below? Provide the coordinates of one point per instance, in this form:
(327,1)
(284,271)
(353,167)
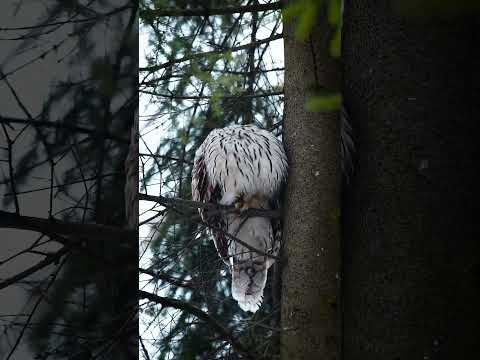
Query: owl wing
(204,190)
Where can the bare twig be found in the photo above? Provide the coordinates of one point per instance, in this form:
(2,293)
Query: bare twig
(51,258)
(144,349)
(167,278)
(60,125)
(11,170)
(30,316)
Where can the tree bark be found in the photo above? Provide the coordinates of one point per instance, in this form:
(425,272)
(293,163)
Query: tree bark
(311,233)
(411,244)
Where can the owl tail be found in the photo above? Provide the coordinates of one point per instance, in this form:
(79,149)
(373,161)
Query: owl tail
(248,282)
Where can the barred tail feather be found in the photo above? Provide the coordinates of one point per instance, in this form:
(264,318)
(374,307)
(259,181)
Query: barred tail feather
(249,268)
(248,285)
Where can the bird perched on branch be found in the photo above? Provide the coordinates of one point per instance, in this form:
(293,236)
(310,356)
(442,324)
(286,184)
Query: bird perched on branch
(243,166)
(246,167)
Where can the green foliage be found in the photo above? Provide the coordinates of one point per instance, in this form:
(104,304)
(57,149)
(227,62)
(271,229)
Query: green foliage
(335,46)
(324,102)
(335,20)
(307,12)
(334,12)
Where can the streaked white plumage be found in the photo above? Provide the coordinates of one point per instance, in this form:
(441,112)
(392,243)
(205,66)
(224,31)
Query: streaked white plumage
(248,166)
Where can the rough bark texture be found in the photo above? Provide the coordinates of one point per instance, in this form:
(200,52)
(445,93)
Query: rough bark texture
(411,245)
(311,233)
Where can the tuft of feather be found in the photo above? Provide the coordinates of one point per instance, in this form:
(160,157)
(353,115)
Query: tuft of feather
(249,268)
(248,282)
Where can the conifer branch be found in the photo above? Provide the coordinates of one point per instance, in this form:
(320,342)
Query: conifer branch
(154,68)
(200,314)
(227,10)
(244,95)
(183,203)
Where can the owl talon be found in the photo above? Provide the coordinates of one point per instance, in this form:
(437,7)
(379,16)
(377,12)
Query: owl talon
(239,204)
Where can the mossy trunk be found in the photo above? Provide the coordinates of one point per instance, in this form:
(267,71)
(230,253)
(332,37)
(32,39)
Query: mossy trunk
(311,231)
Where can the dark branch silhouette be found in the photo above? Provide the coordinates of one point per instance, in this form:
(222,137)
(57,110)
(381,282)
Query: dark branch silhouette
(75,230)
(194,56)
(227,10)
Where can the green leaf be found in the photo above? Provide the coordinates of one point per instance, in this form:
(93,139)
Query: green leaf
(228,55)
(327,102)
(182,136)
(334,12)
(305,24)
(292,10)
(204,76)
(335,46)
(215,102)
(306,11)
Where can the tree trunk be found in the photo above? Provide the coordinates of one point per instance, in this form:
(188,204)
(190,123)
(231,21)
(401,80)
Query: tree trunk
(311,233)
(411,245)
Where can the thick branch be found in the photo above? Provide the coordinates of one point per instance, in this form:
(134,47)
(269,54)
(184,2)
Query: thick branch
(68,21)
(60,125)
(227,10)
(207,53)
(185,306)
(54,227)
(183,203)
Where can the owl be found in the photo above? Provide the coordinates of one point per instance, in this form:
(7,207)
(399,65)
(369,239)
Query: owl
(245,167)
